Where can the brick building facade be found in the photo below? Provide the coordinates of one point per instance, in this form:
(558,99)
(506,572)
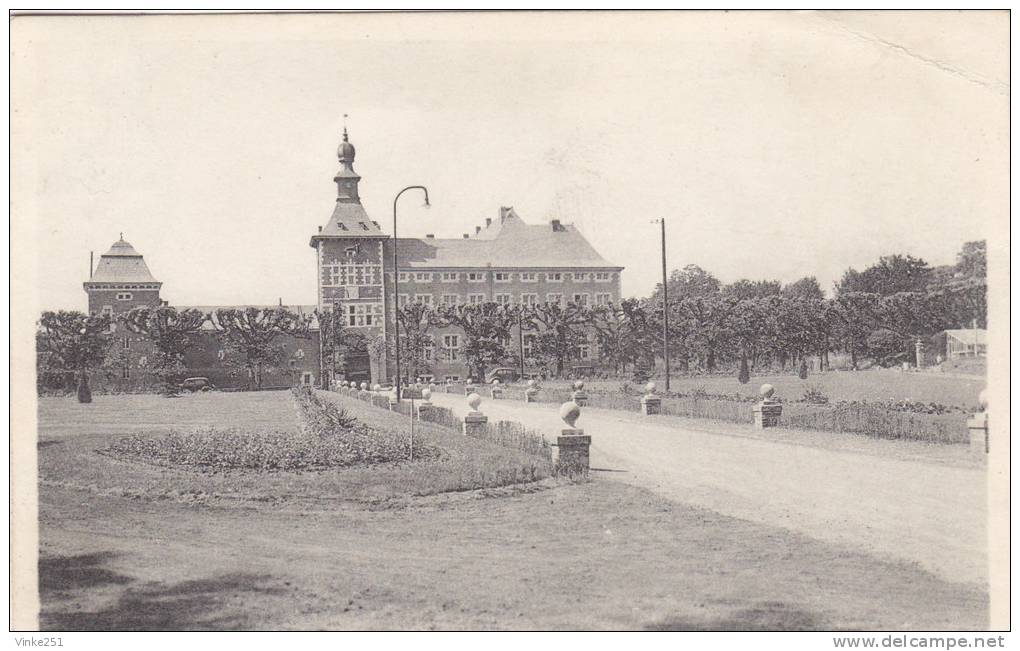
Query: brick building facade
(506,260)
(122,281)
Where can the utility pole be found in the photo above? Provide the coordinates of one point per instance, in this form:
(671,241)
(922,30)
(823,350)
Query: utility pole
(520,336)
(665,303)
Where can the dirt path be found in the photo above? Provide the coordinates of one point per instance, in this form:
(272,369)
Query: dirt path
(930,513)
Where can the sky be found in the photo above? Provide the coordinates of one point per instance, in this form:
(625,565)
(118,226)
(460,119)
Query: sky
(776,145)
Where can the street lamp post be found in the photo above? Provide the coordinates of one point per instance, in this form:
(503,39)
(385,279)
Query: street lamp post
(665,302)
(396,282)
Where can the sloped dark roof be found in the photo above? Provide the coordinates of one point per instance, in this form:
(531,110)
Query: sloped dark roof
(349,219)
(506,242)
(121,264)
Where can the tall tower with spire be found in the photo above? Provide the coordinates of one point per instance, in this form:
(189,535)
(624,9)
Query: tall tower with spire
(349,264)
(121,281)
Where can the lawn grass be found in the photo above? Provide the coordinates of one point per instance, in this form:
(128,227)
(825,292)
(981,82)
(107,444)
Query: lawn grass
(71,436)
(601,555)
(872,385)
(131,546)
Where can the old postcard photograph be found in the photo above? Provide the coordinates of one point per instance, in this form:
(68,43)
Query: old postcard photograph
(512,321)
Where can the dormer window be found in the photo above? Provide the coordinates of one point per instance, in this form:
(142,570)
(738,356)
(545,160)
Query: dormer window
(342,226)
(364,226)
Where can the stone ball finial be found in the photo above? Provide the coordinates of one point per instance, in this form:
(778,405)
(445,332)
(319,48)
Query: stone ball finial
(426,393)
(531,384)
(570,412)
(353,384)
(495,380)
(473,401)
(983,400)
(766,391)
(376,387)
(650,387)
(578,385)
(364,386)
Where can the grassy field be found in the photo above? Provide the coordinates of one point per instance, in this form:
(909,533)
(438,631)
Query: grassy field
(873,385)
(131,546)
(71,435)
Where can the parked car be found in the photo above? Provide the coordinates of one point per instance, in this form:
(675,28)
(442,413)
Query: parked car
(197,384)
(504,374)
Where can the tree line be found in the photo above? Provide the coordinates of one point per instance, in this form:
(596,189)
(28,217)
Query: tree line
(875,314)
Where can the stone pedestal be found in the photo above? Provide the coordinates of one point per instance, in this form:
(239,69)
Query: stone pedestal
(425,410)
(496,393)
(531,395)
(469,389)
(474,424)
(977,426)
(573,457)
(651,405)
(767,414)
(579,397)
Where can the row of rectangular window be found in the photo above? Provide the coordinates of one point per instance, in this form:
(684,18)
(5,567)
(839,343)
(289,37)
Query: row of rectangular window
(582,298)
(505,276)
(451,348)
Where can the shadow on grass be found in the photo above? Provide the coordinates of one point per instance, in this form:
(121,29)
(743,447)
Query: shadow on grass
(207,604)
(768,616)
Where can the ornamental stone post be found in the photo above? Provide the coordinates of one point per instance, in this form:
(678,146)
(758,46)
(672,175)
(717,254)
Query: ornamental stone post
(769,410)
(469,388)
(651,404)
(446,387)
(574,446)
(919,353)
(496,390)
(579,396)
(394,401)
(977,427)
(425,406)
(475,421)
(531,393)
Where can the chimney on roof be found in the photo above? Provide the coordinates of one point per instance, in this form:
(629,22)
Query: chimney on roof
(466,236)
(92,256)
(281,301)
(320,229)
(557,226)
(478,229)
(488,221)
(430,236)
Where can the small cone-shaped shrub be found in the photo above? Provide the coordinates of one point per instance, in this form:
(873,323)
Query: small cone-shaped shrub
(803,369)
(745,374)
(84,392)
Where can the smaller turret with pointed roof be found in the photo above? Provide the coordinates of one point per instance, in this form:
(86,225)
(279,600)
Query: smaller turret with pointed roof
(121,281)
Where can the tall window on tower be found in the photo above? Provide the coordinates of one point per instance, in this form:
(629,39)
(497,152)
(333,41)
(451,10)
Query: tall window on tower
(364,314)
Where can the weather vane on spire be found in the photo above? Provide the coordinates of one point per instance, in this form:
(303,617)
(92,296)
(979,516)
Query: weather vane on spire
(345,127)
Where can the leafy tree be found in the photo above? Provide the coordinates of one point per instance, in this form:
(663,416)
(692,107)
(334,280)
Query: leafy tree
(807,288)
(252,332)
(415,320)
(74,343)
(852,318)
(560,330)
(890,275)
(744,376)
(688,282)
(744,289)
(886,346)
(170,332)
(487,328)
(972,261)
(618,333)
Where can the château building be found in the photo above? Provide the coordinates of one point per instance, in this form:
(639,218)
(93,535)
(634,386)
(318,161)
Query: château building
(506,260)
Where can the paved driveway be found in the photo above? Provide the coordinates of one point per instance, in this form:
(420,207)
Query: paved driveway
(933,514)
